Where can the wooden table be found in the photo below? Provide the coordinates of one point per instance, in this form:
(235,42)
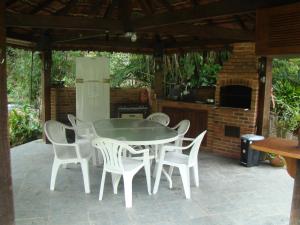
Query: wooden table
(288,149)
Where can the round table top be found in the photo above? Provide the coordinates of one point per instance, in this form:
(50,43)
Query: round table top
(135,131)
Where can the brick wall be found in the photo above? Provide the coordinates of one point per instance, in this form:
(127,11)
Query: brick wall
(240,69)
(63,100)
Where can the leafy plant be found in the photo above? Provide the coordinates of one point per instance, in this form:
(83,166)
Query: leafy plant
(287,106)
(24,125)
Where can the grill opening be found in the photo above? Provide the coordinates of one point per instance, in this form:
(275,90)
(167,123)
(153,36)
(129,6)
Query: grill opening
(232,131)
(235,96)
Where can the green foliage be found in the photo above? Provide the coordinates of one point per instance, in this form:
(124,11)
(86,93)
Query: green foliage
(198,69)
(24,125)
(286,89)
(23,81)
(207,75)
(131,70)
(286,69)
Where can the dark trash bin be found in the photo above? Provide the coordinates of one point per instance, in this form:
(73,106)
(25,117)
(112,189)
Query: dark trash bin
(249,157)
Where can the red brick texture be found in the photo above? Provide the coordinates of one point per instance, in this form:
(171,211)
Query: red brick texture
(63,100)
(240,69)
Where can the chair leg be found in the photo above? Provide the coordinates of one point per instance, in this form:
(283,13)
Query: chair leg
(156,148)
(102,185)
(128,189)
(55,168)
(94,157)
(115,178)
(100,158)
(86,177)
(185,177)
(148,176)
(196,175)
(171,169)
(157,179)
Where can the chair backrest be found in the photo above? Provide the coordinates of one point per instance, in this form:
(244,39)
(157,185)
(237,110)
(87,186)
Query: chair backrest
(55,132)
(81,128)
(159,117)
(112,151)
(193,157)
(182,128)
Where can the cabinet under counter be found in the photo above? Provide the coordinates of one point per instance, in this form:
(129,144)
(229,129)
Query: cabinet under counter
(196,113)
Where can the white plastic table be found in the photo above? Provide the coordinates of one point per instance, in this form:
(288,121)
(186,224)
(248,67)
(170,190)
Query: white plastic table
(135,131)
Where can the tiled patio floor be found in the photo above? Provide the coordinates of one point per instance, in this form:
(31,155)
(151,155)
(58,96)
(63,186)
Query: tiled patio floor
(229,194)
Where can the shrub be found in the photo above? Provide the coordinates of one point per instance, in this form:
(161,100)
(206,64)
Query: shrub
(24,125)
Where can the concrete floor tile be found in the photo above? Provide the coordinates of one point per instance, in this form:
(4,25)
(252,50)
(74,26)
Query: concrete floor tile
(228,194)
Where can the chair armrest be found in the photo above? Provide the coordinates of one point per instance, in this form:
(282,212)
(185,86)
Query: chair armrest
(188,139)
(136,152)
(68,127)
(172,147)
(66,144)
(175,127)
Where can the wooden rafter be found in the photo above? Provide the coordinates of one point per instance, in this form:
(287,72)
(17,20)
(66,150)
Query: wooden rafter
(194,2)
(216,9)
(94,9)
(9,3)
(61,22)
(114,26)
(145,7)
(125,10)
(241,22)
(167,4)
(67,8)
(41,6)
(109,10)
(206,32)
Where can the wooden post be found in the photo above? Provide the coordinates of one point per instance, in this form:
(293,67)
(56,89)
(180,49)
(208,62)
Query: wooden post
(6,194)
(295,209)
(159,78)
(265,90)
(46,56)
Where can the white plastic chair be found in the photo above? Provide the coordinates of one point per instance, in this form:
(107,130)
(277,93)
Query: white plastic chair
(182,161)
(163,119)
(115,162)
(65,153)
(84,130)
(159,117)
(182,128)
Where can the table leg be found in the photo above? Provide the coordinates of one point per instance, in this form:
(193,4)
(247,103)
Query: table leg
(295,209)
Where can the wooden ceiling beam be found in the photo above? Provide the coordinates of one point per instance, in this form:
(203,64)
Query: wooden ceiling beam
(67,8)
(194,2)
(241,22)
(94,9)
(62,22)
(208,11)
(41,6)
(109,10)
(125,10)
(145,7)
(167,4)
(206,31)
(110,43)
(9,3)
